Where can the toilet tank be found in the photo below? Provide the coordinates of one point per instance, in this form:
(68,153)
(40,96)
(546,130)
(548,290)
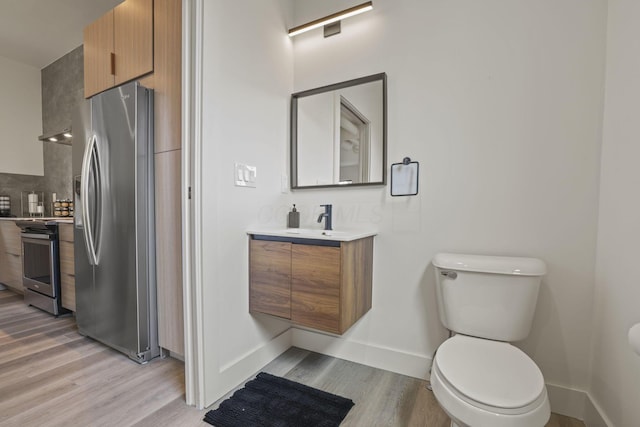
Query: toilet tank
(491,297)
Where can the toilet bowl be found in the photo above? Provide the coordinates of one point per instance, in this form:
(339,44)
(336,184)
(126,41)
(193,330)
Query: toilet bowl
(477,376)
(484,383)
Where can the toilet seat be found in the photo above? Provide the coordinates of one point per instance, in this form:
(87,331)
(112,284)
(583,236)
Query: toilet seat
(489,383)
(491,373)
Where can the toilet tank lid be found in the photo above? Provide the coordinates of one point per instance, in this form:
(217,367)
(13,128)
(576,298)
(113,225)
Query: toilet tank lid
(520,266)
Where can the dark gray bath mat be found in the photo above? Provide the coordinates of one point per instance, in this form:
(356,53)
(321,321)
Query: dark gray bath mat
(270,401)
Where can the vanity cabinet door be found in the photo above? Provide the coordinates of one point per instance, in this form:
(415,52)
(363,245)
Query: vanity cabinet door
(315,287)
(270,278)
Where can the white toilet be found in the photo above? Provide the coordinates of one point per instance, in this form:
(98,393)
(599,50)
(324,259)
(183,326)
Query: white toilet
(478,378)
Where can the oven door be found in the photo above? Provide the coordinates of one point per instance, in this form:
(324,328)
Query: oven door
(38,270)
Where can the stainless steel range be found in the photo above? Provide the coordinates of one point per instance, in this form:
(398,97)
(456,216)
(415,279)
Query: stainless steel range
(41,265)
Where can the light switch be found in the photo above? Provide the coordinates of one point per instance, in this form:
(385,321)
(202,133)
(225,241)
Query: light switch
(245,175)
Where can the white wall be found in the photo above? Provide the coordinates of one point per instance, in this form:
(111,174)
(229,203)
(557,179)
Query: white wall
(20,118)
(615,371)
(501,103)
(247,83)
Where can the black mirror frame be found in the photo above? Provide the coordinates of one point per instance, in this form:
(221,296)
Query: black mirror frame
(294,130)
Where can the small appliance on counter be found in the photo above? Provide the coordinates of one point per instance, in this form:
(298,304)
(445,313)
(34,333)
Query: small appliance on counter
(5,206)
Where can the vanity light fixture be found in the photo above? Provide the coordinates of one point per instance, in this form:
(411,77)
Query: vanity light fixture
(334,19)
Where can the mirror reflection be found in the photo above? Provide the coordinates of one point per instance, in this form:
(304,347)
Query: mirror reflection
(338,134)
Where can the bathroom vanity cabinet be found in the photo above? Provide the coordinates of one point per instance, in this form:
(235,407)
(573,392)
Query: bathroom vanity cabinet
(320,284)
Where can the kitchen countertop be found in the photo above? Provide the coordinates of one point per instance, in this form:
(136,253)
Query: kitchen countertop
(64,220)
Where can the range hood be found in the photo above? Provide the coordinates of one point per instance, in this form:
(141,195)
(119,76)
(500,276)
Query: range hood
(62,137)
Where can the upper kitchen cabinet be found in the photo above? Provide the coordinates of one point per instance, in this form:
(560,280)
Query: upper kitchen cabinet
(98,55)
(118,47)
(133,39)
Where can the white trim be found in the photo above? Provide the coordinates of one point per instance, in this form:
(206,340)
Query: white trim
(389,359)
(192,28)
(567,401)
(577,404)
(594,415)
(235,373)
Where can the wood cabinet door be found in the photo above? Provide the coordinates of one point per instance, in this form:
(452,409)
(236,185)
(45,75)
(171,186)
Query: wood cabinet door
(315,287)
(169,251)
(167,75)
(10,255)
(98,55)
(67,274)
(270,278)
(133,39)
(10,239)
(11,274)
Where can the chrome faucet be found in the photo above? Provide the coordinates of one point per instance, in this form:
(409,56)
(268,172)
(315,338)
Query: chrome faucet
(327,216)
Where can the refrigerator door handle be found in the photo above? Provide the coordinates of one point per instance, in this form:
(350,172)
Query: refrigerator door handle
(84,191)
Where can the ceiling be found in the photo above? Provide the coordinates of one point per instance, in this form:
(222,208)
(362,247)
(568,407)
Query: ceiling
(37,32)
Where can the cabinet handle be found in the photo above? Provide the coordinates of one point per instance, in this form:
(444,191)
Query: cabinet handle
(113,64)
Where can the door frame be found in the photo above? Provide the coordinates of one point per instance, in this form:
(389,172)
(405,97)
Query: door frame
(192,56)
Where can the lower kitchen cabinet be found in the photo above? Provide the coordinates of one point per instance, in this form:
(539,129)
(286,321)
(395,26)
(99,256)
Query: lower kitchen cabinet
(321,287)
(67,267)
(10,255)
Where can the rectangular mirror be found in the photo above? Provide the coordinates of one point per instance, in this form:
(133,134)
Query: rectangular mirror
(339,134)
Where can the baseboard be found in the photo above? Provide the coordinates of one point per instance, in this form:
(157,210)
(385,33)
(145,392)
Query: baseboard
(593,414)
(258,357)
(413,365)
(577,404)
(567,401)
(242,368)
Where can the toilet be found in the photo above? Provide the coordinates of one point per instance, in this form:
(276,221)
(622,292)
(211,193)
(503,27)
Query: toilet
(477,376)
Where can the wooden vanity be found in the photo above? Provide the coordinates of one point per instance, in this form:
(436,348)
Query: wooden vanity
(313,281)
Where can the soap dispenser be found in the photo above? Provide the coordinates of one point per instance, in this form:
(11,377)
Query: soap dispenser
(293,221)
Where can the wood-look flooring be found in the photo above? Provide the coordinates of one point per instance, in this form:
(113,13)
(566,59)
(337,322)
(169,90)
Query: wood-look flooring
(50,375)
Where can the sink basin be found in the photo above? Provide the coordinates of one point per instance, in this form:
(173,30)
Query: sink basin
(315,233)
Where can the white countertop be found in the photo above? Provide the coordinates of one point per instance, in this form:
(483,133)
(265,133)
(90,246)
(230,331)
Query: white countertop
(314,233)
(63,220)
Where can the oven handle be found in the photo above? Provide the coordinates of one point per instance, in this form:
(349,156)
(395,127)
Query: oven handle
(36,236)
(84,192)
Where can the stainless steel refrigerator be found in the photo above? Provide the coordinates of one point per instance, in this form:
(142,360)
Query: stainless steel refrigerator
(114,221)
